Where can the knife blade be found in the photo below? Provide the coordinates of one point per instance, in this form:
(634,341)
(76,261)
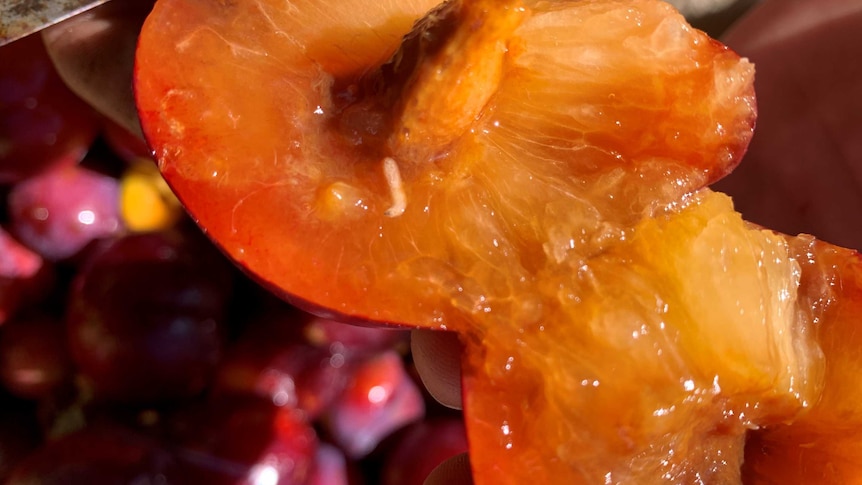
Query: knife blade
(19,18)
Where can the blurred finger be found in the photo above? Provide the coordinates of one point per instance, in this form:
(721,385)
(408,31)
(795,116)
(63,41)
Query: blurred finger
(438,359)
(94,54)
(454,471)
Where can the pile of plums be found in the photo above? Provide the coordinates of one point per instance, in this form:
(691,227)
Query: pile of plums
(132,351)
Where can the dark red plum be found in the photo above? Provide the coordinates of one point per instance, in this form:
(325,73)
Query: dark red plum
(61,211)
(96,456)
(421,448)
(25,277)
(124,144)
(42,123)
(19,434)
(34,358)
(146,317)
(243,440)
(354,339)
(330,467)
(272,359)
(380,399)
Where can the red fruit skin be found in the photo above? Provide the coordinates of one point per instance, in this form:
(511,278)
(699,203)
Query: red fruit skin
(297,360)
(380,399)
(146,317)
(34,359)
(96,456)
(25,277)
(271,359)
(59,212)
(42,123)
(421,448)
(243,440)
(19,435)
(330,467)
(354,339)
(294,375)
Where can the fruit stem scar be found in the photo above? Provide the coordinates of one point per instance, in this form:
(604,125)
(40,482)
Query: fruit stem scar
(396,188)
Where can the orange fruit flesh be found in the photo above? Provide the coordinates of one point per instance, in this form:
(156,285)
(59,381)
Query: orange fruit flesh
(584,136)
(529,175)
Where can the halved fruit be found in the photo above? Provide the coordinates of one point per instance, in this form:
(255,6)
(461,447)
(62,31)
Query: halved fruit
(528,174)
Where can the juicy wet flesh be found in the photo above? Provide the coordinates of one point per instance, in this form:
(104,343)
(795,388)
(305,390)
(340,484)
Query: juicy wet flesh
(531,176)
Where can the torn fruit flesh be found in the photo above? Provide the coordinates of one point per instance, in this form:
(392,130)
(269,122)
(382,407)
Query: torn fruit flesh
(530,175)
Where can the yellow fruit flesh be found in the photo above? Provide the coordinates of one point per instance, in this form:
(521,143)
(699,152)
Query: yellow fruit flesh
(824,443)
(668,346)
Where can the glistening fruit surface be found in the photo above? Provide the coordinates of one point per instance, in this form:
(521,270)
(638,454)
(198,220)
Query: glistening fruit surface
(528,174)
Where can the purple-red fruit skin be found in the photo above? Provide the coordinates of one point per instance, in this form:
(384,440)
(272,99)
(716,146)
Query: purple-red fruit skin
(25,277)
(61,211)
(243,440)
(146,317)
(421,448)
(287,373)
(354,339)
(380,399)
(19,435)
(129,147)
(42,123)
(330,467)
(34,360)
(96,456)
